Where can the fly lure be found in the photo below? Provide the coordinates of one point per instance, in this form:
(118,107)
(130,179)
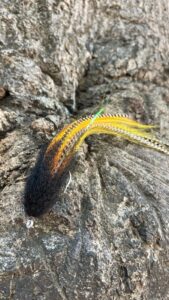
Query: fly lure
(54,161)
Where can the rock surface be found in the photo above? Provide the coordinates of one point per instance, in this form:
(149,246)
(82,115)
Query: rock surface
(108,238)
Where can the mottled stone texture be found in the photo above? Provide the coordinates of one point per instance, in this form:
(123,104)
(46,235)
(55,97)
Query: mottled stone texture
(108,237)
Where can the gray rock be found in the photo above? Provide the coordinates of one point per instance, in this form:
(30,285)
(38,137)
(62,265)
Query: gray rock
(108,236)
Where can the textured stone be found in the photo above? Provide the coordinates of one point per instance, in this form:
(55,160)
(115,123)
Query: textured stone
(7,120)
(108,236)
(2,92)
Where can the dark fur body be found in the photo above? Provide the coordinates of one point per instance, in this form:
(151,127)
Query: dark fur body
(42,189)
